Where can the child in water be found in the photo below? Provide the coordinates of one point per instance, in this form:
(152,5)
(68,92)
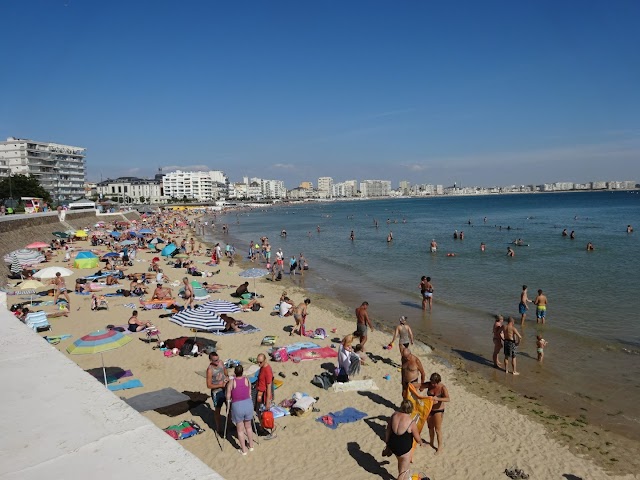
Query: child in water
(540,344)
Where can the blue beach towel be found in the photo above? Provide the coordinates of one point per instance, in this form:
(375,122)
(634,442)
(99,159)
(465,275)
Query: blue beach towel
(126,385)
(348,415)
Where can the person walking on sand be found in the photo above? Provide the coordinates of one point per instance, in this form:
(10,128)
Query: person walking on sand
(436,389)
(217,379)
(412,371)
(362,323)
(60,289)
(522,307)
(541,307)
(511,340)
(399,436)
(497,340)
(300,316)
(239,392)
(404,334)
(188,293)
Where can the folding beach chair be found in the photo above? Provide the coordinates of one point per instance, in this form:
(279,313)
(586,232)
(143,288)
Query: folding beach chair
(152,332)
(37,321)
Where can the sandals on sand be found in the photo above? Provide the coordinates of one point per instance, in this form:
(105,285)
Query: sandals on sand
(515,473)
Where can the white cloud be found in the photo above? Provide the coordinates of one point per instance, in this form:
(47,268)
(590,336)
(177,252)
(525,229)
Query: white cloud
(284,166)
(196,168)
(414,167)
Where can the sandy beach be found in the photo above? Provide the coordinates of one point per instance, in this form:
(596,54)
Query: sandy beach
(484,428)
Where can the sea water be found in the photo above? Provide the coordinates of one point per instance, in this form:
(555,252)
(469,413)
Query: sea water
(592,319)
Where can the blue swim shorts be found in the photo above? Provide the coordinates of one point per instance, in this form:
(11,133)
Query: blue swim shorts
(522,308)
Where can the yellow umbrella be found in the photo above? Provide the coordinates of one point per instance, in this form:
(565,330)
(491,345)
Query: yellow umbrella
(80,233)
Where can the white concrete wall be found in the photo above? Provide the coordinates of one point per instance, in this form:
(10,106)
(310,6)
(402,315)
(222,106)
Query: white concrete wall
(59,422)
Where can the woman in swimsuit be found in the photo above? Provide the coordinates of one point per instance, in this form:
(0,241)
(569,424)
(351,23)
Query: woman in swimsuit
(136,325)
(441,394)
(401,432)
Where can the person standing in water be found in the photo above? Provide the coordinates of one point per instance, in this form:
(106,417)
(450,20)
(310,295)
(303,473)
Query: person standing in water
(541,307)
(352,236)
(426,289)
(522,307)
(511,340)
(497,340)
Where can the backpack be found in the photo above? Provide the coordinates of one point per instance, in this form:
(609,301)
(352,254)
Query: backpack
(266,420)
(324,380)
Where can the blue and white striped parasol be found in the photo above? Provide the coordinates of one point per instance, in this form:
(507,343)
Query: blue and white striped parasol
(221,306)
(199,319)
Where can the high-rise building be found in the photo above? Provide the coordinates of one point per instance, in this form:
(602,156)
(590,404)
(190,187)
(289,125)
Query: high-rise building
(375,188)
(306,185)
(201,186)
(60,169)
(325,185)
(405,187)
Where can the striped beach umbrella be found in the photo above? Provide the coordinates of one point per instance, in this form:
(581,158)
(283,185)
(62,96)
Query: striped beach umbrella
(37,245)
(99,342)
(221,306)
(15,268)
(25,256)
(199,319)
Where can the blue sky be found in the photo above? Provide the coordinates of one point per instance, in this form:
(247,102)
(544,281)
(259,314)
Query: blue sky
(491,92)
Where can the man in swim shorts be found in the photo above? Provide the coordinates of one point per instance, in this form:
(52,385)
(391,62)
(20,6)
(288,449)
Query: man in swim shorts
(511,340)
(541,307)
(412,371)
(363,323)
(522,307)
(434,246)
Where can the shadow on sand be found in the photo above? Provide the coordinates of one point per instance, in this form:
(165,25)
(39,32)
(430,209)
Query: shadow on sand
(368,462)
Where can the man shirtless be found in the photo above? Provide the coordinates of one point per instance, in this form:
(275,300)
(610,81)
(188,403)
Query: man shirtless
(161,293)
(363,323)
(61,289)
(541,307)
(412,371)
(188,293)
(511,340)
(522,307)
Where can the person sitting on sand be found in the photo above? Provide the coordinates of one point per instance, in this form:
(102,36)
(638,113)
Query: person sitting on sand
(241,290)
(231,324)
(436,389)
(161,293)
(285,307)
(136,325)
(399,436)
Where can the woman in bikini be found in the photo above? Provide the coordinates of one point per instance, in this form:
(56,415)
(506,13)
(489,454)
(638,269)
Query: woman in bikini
(440,393)
(399,437)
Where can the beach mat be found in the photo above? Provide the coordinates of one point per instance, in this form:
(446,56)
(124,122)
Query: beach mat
(355,386)
(135,383)
(195,399)
(314,353)
(157,399)
(333,419)
(247,328)
(293,347)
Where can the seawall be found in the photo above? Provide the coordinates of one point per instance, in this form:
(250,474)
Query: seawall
(17,231)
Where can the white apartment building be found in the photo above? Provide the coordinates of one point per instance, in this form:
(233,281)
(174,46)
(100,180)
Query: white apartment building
(60,169)
(346,189)
(201,186)
(325,184)
(375,188)
(132,190)
(404,187)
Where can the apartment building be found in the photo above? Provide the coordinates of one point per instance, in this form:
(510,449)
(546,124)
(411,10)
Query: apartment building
(201,186)
(60,169)
(132,190)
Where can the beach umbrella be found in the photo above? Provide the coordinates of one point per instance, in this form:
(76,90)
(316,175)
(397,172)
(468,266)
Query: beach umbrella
(50,272)
(168,250)
(111,255)
(99,342)
(25,256)
(198,319)
(15,268)
(124,243)
(221,306)
(60,234)
(254,273)
(115,234)
(80,233)
(29,287)
(146,231)
(37,245)
(97,233)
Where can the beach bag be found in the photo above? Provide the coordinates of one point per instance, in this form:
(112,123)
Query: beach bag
(266,420)
(280,355)
(323,380)
(320,333)
(255,307)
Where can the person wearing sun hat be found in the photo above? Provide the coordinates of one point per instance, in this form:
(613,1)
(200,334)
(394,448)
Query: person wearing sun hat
(404,334)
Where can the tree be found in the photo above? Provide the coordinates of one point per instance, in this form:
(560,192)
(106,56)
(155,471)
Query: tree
(16,186)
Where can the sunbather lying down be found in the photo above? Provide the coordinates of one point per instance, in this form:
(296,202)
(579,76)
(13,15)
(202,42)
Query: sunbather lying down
(250,305)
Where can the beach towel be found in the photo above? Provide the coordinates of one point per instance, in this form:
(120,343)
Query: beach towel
(334,419)
(246,328)
(156,304)
(135,383)
(421,407)
(299,346)
(129,305)
(195,399)
(355,386)
(279,411)
(113,374)
(313,353)
(56,339)
(156,399)
(183,430)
